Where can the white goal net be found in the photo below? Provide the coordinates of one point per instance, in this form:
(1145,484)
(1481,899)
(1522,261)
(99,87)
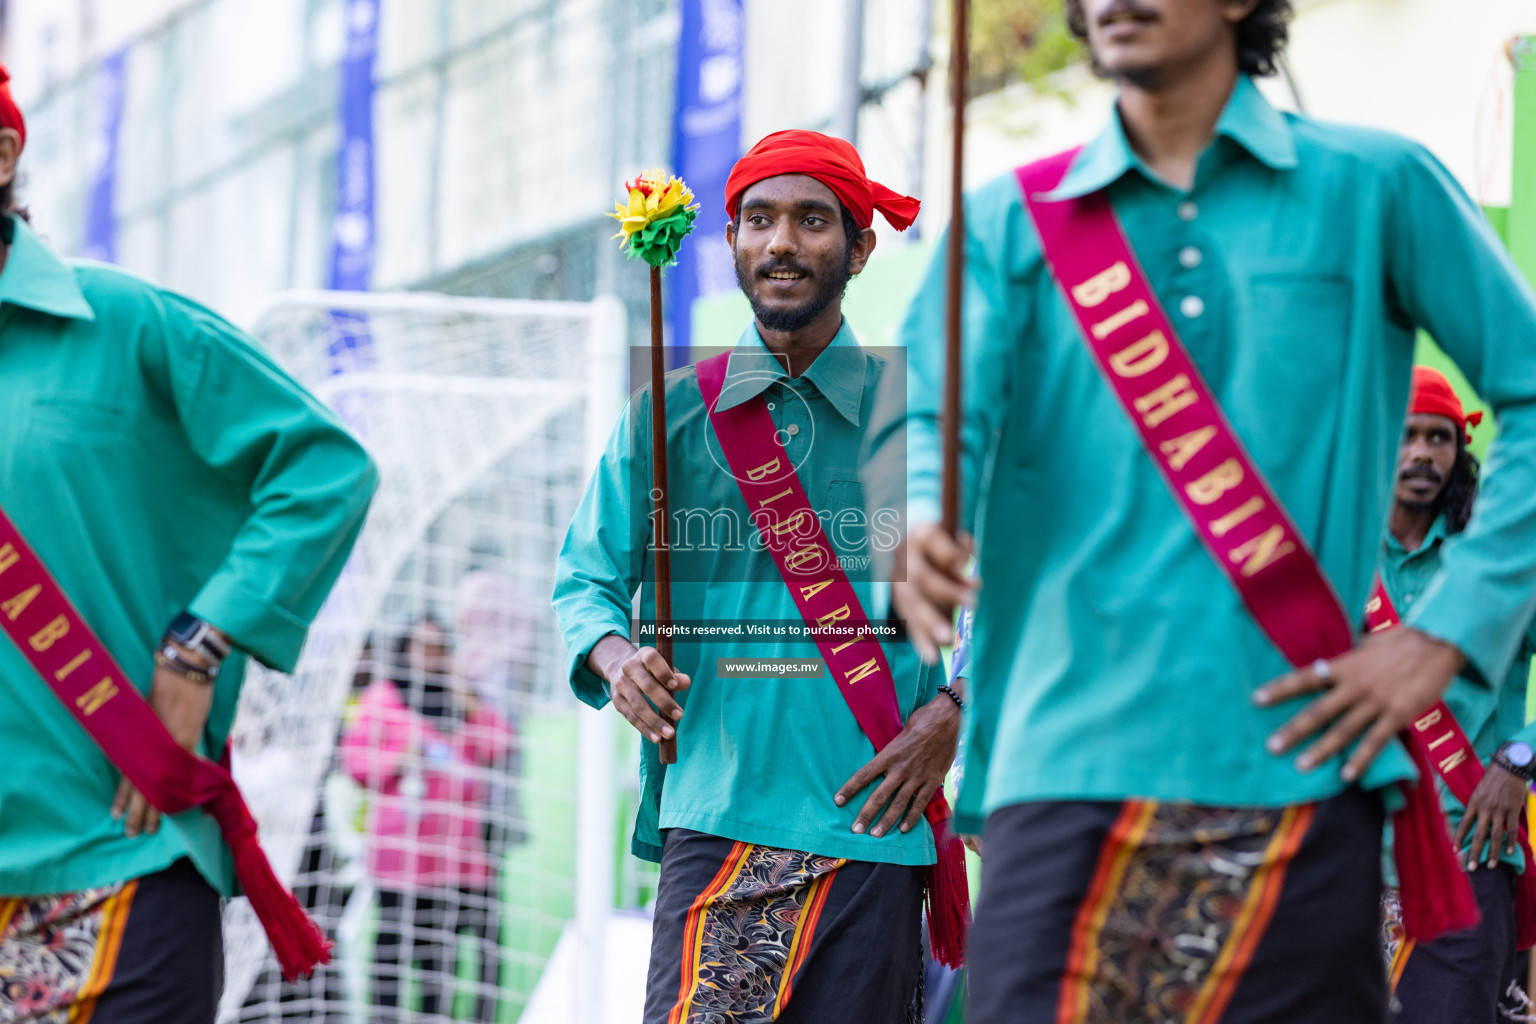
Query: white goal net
(416,779)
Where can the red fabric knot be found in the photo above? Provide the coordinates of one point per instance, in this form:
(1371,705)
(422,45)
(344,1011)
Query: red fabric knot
(833,162)
(1432,395)
(10,113)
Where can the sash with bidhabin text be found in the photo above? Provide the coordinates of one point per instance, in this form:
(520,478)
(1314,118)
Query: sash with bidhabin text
(44,625)
(1226,498)
(826,600)
(1442,741)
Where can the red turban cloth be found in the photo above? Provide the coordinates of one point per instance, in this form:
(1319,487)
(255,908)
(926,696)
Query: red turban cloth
(832,162)
(1432,395)
(10,113)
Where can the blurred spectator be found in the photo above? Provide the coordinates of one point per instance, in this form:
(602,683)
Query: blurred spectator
(496,627)
(422,745)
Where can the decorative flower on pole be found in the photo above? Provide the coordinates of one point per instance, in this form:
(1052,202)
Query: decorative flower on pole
(658,215)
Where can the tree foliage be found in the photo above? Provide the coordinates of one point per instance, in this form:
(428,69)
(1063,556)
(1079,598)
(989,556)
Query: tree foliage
(1019,40)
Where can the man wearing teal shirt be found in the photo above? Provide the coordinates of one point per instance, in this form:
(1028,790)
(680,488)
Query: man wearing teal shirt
(775,882)
(1462,976)
(195,504)
(1145,847)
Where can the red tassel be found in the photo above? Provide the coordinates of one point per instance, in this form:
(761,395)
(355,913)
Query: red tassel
(1437,897)
(947,891)
(297,942)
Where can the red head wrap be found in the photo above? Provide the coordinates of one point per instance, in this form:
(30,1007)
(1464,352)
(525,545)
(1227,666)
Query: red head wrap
(832,162)
(1432,395)
(10,113)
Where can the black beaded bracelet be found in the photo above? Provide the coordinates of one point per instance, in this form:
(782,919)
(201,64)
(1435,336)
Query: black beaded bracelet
(949,691)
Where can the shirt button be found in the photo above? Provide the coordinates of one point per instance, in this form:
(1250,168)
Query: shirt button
(1192,306)
(1189,257)
(792,429)
(1188,210)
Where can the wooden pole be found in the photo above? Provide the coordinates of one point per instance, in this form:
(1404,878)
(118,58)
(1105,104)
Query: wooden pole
(662,516)
(959,61)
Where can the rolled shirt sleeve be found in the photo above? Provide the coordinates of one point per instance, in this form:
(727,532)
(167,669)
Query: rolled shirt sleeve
(309,481)
(603,557)
(1450,275)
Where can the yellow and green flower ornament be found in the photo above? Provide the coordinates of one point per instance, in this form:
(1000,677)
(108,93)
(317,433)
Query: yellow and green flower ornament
(657,217)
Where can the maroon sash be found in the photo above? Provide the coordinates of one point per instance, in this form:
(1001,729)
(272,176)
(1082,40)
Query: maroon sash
(1223,493)
(793,535)
(1458,764)
(83,675)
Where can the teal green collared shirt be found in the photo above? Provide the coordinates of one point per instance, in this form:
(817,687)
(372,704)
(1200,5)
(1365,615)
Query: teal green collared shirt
(157,460)
(1112,659)
(1489,715)
(759,760)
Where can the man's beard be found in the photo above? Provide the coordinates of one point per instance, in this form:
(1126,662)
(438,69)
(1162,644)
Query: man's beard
(1422,473)
(798,317)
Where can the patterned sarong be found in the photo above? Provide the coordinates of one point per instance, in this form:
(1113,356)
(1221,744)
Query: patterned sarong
(57,953)
(1159,913)
(749,934)
(1396,946)
(1179,900)
(147,951)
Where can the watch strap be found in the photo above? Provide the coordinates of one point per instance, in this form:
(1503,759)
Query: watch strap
(199,636)
(1523,772)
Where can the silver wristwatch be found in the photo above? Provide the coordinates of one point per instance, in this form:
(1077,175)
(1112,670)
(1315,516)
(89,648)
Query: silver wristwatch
(198,637)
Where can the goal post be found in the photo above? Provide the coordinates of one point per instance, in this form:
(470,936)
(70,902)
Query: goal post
(424,779)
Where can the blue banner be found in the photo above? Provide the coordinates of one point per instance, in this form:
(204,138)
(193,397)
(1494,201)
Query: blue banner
(706,143)
(352,228)
(100,241)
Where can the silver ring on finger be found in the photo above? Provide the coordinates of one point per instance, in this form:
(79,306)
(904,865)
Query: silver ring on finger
(1322,669)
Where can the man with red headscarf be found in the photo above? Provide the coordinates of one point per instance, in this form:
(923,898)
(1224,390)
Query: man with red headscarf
(792,856)
(1462,976)
(193,505)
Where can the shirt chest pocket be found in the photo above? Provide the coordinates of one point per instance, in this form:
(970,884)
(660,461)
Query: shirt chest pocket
(78,419)
(843,518)
(844,491)
(1298,317)
(1292,356)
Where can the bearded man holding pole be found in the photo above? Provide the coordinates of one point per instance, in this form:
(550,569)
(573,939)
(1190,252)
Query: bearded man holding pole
(1181,750)
(801,827)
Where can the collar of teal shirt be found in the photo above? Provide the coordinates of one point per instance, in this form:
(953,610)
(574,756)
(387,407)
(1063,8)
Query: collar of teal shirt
(838,372)
(35,278)
(1438,532)
(1248,120)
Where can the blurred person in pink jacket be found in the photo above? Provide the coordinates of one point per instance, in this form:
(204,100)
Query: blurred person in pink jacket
(423,745)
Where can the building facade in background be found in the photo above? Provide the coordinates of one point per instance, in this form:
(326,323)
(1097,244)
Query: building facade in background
(200,142)
(197,141)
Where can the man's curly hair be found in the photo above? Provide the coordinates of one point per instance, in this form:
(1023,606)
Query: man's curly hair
(1260,37)
(1456,497)
(8,205)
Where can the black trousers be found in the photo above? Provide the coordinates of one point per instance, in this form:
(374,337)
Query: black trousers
(1144,912)
(750,927)
(170,967)
(1461,978)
